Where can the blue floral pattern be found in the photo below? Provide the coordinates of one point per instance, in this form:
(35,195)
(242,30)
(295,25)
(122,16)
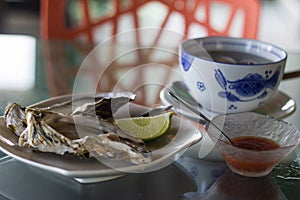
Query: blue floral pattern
(201,86)
(252,86)
(186,60)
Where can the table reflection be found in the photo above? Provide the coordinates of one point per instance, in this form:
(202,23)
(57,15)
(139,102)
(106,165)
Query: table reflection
(232,186)
(221,183)
(169,183)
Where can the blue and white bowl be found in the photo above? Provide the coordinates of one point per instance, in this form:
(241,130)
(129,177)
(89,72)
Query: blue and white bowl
(229,75)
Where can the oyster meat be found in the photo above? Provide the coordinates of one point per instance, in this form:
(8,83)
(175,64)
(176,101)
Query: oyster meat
(87,131)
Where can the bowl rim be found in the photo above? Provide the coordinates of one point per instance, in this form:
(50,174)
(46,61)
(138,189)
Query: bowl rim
(181,48)
(227,143)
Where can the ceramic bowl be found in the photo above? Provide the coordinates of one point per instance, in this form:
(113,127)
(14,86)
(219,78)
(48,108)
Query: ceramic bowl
(229,75)
(249,162)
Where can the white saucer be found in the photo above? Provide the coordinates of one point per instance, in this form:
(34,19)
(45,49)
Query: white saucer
(279,106)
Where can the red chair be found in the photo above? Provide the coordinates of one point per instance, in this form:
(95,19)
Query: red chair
(54,17)
(167,19)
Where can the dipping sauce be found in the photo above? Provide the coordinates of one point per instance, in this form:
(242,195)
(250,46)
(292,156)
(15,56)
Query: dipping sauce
(254,143)
(247,163)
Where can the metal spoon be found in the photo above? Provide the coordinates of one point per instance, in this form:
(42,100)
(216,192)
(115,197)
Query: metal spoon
(196,111)
(180,89)
(156,111)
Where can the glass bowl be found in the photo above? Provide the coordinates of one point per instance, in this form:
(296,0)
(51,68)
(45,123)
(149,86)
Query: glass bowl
(253,163)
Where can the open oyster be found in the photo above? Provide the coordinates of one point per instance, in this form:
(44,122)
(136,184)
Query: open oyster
(87,131)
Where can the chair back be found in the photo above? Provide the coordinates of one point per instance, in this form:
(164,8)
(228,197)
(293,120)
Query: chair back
(141,23)
(97,20)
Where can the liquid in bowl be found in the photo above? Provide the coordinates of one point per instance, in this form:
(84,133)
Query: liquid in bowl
(254,144)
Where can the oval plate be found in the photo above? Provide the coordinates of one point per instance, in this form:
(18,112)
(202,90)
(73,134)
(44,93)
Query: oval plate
(165,150)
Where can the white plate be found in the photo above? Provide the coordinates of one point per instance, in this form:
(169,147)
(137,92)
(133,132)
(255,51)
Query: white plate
(165,150)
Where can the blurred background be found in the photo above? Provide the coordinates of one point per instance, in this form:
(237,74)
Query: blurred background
(279,20)
(279,24)
(20,17)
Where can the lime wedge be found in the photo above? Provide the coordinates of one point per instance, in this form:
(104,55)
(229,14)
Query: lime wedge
(146,128)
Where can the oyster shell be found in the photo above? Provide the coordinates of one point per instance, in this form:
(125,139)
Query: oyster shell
(81,132)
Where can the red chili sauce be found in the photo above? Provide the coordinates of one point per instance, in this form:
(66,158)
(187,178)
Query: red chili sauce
(251,143)
(254,143)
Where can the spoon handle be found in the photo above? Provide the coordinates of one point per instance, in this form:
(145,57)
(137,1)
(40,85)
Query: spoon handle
(193,109)
(196,111)
(156,111)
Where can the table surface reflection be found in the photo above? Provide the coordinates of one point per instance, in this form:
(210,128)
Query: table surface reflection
(63,68)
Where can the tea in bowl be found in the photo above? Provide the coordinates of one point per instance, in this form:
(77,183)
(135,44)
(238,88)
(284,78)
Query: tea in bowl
(229,75)
(259,142)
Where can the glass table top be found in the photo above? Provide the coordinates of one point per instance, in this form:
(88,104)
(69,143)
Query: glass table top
(54,68)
